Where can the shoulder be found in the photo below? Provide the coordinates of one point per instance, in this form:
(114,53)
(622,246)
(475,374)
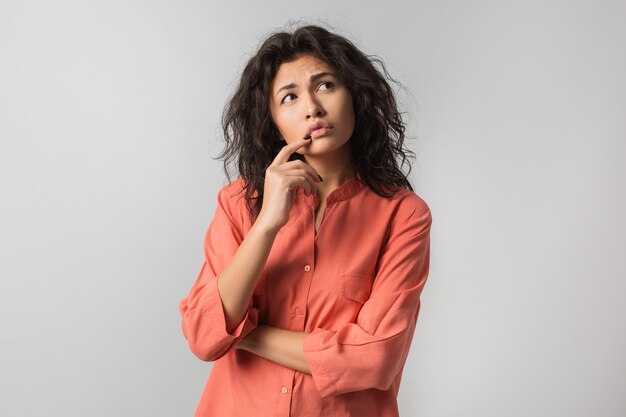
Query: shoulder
(409,218)
(232,188)
(405,205)
(231,197)
(412,206)
(233,192)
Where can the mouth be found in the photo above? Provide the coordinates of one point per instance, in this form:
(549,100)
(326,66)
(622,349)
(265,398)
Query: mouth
(317,131)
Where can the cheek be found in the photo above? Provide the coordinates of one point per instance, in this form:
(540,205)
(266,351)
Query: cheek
(282,121)
(289,126)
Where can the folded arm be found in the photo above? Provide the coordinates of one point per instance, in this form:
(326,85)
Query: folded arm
(284,347)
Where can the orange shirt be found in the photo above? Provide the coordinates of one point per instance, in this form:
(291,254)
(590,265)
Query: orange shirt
(354,287)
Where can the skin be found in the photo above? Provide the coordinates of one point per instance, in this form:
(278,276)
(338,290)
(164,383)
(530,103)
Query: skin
(293,110)
(284,347)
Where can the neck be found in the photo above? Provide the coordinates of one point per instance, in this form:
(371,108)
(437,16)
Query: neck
(335,170)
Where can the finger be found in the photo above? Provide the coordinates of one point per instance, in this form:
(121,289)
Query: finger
(286,151)
(302,174)
(300,181)
(298,164)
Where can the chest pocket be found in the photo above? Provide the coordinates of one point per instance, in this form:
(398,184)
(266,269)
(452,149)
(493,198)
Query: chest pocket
(356,287)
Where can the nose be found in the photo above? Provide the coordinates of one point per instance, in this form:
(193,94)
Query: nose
(313,108)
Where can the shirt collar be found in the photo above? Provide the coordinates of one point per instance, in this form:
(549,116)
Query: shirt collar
(345,191)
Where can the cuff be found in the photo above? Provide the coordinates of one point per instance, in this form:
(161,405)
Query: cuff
(316,358)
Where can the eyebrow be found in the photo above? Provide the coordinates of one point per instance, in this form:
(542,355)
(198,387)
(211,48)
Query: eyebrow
(313,78)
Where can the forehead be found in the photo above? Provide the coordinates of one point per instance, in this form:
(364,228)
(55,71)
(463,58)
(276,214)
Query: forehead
(299,69)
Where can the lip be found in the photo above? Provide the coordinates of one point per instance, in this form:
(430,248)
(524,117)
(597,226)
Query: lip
(320,132)
(323,127)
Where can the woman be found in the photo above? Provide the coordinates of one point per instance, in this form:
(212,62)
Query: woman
(309,294)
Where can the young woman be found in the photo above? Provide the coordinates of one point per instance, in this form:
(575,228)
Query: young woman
(317,254)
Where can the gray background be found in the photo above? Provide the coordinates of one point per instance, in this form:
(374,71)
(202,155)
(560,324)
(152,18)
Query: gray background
(109,117)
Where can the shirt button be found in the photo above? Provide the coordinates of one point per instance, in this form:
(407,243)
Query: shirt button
(298,311)
(284,390)
(307,268)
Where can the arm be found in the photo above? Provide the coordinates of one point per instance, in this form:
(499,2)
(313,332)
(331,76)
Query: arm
(284,347)
(218,310)
(237,281)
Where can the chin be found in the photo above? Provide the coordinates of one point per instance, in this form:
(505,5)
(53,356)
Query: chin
(321,149)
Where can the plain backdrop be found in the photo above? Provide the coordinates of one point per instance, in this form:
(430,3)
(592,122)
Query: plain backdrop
(109,120)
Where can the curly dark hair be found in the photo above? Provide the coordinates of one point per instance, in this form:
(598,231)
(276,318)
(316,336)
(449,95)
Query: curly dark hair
(252,136)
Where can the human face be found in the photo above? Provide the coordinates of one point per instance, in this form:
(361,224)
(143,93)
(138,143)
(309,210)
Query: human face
(310,98)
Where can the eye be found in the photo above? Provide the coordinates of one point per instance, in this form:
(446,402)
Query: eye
(290,94)
(330,84)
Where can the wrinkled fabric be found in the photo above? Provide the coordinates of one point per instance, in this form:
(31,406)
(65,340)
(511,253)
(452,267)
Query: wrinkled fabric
(354,287)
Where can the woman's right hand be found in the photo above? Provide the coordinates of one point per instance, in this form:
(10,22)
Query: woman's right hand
(281,179)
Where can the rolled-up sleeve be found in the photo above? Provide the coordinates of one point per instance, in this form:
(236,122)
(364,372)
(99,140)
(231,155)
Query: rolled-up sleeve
(372,351)
(202,311)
